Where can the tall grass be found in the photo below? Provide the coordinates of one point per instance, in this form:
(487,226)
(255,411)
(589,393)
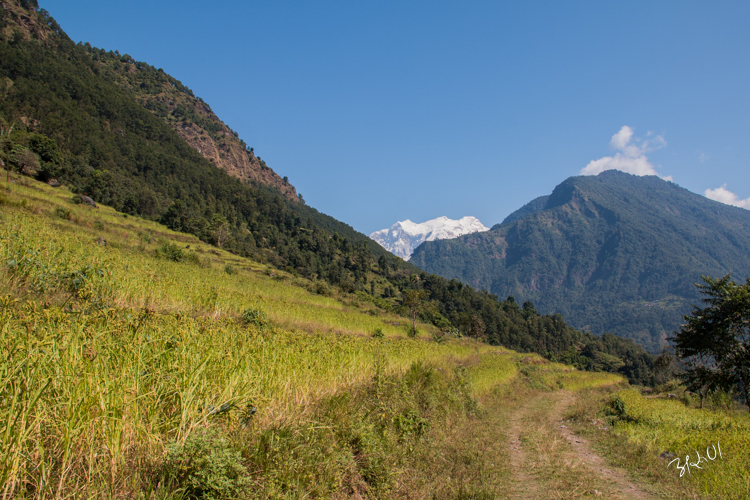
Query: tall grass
(661,425)
(124,373)
(112,352)
(85,395)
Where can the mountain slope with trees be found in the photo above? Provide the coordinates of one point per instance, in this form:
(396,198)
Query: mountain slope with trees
(612,253)
(160,93)
(78,119)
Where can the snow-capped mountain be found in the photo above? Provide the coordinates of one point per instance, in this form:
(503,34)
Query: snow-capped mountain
(403,237)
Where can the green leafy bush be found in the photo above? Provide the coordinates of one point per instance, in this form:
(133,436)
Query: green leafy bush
(207,467)
(321,288)
(255,317)
(170,251)
(62,213)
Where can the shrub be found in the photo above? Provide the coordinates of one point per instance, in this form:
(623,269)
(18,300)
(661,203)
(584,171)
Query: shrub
(452,331)
(170,251)
(206,466)
(321,288)
(347,286)
(378,333)
(62,213)
(382,303)
(229,269)
(255,317)
(720,400)
(617,408)
(193,258)
(438,336)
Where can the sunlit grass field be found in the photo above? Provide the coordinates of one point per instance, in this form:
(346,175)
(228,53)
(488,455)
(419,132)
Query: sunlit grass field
(126,374)
(717,442)
(682,450)
(113,354)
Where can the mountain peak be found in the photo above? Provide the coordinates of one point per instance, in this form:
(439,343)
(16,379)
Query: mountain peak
(615,253)
(404,236)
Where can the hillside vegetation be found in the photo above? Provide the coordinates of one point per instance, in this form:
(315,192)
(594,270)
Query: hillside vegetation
(612,253)
(107,127)
(142,363)
(139,361)
(200,336)
(671,440)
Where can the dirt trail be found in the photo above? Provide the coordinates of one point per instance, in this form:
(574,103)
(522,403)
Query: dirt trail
(549,461)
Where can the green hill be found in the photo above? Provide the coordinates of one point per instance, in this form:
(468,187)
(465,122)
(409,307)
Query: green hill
(108,127)
(139,362)
(612,253)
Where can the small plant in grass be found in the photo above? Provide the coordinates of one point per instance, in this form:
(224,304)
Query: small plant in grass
(411,424)
(720,400)
(193,258)
(62,213)
(206,466)
(170,251)
(255,317)
(378,333)
(617,408)
(229,269)
(451,331)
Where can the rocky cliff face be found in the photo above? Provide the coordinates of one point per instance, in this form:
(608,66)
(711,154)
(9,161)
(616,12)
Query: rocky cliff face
(198,125)
(403,237)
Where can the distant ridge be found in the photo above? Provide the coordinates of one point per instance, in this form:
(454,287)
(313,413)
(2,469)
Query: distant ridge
(403,237)
(612,253)
(534,205)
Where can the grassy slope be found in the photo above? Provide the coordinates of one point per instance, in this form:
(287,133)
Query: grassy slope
(634,430)
(113,353)
(126,374)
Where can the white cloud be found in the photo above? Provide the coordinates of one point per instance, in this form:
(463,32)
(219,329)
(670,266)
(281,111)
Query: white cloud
(621,138)
(630,155)
(723,195)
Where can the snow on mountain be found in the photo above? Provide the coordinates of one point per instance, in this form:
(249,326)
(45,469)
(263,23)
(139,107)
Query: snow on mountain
(403,237)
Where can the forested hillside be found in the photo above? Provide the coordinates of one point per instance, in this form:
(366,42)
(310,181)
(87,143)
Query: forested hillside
(102,124)
(612,253)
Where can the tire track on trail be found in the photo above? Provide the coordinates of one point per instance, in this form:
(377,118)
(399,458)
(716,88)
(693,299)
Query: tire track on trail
(549,461)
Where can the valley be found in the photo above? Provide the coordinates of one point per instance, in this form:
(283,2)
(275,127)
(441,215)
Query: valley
(177,323)
(124,361)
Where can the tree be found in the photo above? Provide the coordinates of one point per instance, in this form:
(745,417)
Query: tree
(219,228)
(714,342)
(27,161)
(665,367)
(5,131)
(414,303)
(528,310)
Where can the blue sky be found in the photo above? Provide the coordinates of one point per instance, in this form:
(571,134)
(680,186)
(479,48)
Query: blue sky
(385,111)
